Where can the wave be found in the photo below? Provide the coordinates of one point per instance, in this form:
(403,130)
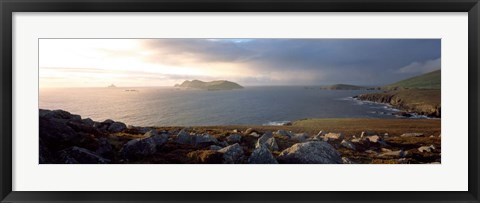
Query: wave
(276,123)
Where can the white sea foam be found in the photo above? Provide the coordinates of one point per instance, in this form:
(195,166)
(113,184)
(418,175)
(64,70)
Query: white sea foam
(276,123)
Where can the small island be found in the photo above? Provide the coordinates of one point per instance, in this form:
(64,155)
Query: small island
(212,85)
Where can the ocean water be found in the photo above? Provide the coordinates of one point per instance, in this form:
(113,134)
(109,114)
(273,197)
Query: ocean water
(165,106)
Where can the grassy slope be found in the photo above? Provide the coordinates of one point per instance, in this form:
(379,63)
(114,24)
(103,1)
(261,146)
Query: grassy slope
(426,81)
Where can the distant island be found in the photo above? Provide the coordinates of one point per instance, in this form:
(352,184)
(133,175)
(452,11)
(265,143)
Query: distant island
(112,86)
(345,87)
(212,85)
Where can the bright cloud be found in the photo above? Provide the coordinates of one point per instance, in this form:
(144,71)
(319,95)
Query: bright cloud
(164,62)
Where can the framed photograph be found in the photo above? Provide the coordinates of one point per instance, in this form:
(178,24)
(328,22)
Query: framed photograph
(253,101)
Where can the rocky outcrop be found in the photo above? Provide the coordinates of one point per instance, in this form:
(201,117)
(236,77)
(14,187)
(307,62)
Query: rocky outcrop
(232,154)
(333,136)
(183,137)
(233,138)
(77,155)
(419,101)
(284,133)
(67,138)
(312,152)
(141,148)
(261,155)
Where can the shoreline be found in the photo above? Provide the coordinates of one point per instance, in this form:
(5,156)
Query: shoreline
(411,102)
(67,138)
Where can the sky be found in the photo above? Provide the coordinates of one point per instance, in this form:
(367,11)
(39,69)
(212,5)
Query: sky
(249,62)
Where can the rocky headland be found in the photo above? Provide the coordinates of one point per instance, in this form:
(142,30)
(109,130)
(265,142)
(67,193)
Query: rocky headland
(66,138)
(410,101)
(419,95)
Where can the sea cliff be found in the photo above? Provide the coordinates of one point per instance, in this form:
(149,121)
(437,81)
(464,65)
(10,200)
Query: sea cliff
(419,101)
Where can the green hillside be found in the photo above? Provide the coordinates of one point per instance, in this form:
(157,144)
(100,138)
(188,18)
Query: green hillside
(426,81)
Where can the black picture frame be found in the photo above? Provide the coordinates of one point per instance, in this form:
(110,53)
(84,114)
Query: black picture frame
(7,7)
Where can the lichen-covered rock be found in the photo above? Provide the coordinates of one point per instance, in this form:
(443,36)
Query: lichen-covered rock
(234,138)
(312,152)
(254,134)
(426,148)
(232,154)
(183,137)
(263,139)
(204,138)
(347,144)
(268,141)
(271,144)
(333,136)
(261,155)
(140,148)
(215,147)
(299,137)
(284,133)
(249,131)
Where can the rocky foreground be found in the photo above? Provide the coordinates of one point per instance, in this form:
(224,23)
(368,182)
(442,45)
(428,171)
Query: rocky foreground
(68,139)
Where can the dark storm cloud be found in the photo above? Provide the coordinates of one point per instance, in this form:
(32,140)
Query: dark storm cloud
(354,61)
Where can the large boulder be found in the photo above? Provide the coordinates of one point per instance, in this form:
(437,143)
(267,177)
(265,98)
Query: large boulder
(261,155)
(271,144)
(104,149)
(58,114)
(233,138)
(139,148)
(116,127)
(60,130)
(312,152)
(300,137)
(263,139)
(183,137)
(232,154)
(204,139)
(268,141)
(284,133)
(77,155)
